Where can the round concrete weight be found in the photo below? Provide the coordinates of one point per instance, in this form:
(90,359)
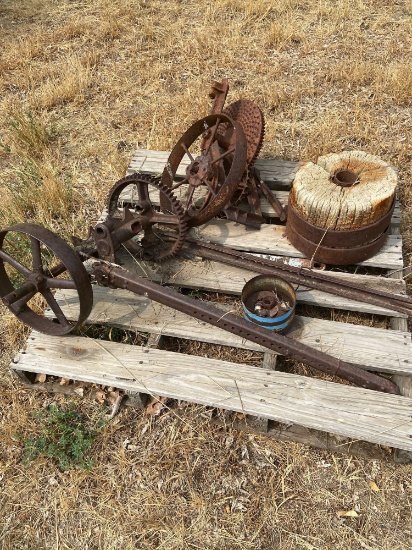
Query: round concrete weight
(344,191)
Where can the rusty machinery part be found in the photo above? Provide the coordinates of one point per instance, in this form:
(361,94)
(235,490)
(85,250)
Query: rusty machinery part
(214,171)
(51,257)
(133,213)
(269,302)
(245,206)
(310,278)
(248,114)
(271,197)
(218,92)
(205,312)
(251,118)
(248,191)
(337,247)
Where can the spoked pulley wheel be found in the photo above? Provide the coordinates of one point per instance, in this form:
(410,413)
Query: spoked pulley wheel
(34,261)
(215,147)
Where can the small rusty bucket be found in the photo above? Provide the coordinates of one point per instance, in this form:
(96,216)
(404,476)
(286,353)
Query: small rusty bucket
(269,302)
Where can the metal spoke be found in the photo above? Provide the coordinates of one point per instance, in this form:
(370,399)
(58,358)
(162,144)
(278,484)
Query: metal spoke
(212,137)
(50,299)
(187,152)
(190,196)
(14,263)
(210,187)
(228,152)
(36,253)
(179,183)
(60,283)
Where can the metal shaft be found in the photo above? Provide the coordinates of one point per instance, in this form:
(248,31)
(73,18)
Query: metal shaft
(309,278)
(203,311)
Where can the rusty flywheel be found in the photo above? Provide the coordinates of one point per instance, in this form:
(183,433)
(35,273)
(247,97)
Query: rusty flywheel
(212,155)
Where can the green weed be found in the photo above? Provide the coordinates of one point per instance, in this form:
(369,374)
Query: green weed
(65,438)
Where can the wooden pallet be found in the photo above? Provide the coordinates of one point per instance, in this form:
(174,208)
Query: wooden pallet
(294,407)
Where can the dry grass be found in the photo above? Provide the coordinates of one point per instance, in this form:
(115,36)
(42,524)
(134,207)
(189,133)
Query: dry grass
(83,83)
(177,482)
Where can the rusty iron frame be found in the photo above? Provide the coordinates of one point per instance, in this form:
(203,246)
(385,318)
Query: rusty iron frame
(303,275)
(107,273)
(117,277)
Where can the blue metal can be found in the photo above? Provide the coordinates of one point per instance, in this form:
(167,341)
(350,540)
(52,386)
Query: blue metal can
(269,302)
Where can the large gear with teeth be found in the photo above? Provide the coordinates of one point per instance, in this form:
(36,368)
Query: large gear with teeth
(251,118)
(158,246)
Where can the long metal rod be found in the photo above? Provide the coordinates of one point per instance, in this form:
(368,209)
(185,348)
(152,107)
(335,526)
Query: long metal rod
(203,311)
(306,277)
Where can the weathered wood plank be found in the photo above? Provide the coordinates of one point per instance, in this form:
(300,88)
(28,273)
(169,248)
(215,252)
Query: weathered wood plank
(271,239)
(336,408)
(321,440)
(382,350)
(401,324)
(404,382)
(276,173)
(276,430)
(214,276)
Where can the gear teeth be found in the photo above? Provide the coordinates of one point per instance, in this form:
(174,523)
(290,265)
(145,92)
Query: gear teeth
(176,207)
(124,182)
(248,114)
(180,212)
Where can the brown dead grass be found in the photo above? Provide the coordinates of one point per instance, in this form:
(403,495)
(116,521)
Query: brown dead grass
(106,76)
(178,482)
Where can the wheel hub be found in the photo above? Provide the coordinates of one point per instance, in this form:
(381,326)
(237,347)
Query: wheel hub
(199,170)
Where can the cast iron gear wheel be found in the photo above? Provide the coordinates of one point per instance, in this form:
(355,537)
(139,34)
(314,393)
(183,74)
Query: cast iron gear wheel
(251,118)
(153,245)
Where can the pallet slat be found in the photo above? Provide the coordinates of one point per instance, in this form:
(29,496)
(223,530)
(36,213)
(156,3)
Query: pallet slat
(271,239)
(344,410)
(382,350)
(277,173)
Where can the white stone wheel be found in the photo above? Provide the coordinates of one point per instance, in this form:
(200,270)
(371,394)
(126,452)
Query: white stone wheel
(344,191)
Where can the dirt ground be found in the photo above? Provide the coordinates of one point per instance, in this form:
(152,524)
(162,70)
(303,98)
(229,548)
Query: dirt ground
(82,84)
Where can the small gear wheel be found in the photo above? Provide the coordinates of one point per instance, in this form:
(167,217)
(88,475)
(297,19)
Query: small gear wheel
(164,231)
